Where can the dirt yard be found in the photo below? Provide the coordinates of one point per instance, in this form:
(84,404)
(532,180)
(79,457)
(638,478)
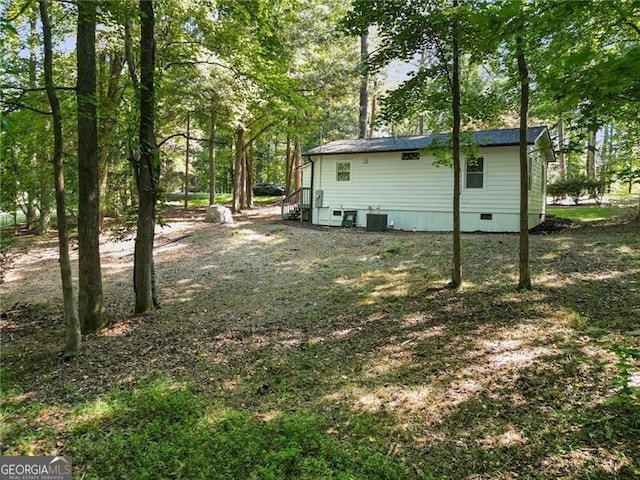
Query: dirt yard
(356,327)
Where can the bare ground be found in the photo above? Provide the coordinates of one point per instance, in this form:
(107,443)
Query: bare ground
(359,328)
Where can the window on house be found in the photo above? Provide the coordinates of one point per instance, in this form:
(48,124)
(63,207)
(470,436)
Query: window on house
(413,155)
(530,172)
(475,173)
(343,172)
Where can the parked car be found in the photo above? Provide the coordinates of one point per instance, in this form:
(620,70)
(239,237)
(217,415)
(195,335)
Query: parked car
(267,189)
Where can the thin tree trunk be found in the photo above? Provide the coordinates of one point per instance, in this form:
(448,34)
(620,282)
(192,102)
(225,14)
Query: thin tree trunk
(591,154)
(373,116)
(106,127)
(238,183)
(90,299)
(289,168)
(524,282)
(604,160)
(249,168)
(562,165)
(147,179)
(212,154)
(45,195)
(186,163)
(364,85)
(44,176)
(456,275)
(73,339)
(297,162)
(421,118)
(591,159)
(33,44)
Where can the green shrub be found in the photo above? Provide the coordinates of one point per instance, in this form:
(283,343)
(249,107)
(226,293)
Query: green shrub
(576,186)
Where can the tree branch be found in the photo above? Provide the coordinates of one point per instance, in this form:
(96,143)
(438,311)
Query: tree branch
(260,132)
(18,106)
(128,52)
(35,89)
(184,135)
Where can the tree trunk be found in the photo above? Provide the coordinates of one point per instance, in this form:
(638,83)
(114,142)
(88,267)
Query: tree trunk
(591,160)
(110,99)
(364,85)
(289,168)
(297,163)
(31,212)
(372,120)
(591,154)
(238,183)
(562,165)
(248,178)
(90,300)
(524,282)
(456,275)
(186,163)
(44,176)
(607,154)
(45,195)
(147,175)
(72,323)
(212,154)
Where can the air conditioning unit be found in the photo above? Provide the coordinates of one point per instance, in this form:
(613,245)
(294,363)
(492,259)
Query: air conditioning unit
(376,222)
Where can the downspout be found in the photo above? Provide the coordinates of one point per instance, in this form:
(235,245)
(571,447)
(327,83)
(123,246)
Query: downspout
(311,194)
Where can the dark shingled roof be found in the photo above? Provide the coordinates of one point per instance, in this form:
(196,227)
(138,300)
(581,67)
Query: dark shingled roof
(483,138)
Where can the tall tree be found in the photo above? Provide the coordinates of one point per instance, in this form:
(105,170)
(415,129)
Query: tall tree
(562,166)
(90,298)
(213,120)
(443,30)
(71,320)
(146,167)
(591,153)
(364,84)
(524,281)
(456,273)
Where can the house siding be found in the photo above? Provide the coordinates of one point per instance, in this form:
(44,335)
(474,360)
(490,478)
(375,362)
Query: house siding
(417,194)
(537,193)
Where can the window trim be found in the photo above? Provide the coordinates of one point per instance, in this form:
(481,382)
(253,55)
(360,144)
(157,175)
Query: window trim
(483,172)
(338,172)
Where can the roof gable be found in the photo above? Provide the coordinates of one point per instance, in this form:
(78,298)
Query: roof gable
(483,138)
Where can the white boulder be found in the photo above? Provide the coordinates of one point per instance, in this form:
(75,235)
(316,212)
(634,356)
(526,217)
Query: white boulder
(218,214)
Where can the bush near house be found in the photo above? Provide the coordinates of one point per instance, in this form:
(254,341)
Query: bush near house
(575,188)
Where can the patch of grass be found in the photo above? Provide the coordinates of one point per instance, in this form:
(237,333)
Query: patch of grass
(196,199)
(588,213)
(162,430)
(267,200)
(202,199)
(19,426)
(395,248)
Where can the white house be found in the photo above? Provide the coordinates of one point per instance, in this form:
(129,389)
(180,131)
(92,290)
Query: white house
(397,182)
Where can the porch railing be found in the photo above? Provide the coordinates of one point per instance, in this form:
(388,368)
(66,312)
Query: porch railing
(293,204)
